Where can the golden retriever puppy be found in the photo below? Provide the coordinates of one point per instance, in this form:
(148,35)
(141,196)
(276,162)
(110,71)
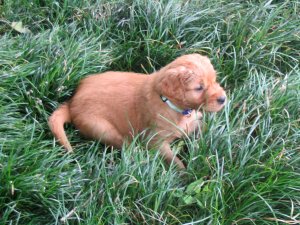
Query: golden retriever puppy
(115,106)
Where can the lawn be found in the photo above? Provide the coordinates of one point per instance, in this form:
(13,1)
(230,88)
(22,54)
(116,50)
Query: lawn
(245,167)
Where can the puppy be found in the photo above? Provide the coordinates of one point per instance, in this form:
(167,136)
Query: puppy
(114,106)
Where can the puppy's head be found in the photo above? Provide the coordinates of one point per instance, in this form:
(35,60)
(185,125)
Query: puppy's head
(190,82)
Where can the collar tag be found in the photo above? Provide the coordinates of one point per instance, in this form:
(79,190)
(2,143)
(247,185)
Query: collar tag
(186,112)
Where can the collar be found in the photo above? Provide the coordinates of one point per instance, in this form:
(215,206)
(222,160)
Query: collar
(185,112)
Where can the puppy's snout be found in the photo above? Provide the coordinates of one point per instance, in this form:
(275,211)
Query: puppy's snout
(221,100)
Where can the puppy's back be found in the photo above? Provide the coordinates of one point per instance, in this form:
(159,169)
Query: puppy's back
(112,96)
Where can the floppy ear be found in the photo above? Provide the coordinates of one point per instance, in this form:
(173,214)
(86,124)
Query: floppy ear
(173,82)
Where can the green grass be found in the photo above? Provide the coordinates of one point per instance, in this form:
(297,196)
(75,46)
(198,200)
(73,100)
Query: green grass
(245,168)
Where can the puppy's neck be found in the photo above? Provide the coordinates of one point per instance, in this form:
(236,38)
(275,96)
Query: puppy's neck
(184,112)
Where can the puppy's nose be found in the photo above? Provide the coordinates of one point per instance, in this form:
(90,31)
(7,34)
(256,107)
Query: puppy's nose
(221,100)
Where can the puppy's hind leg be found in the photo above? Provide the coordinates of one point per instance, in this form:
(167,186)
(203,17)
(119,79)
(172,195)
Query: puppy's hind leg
(102,130)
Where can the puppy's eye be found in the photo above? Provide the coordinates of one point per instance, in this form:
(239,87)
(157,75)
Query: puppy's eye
(200,88)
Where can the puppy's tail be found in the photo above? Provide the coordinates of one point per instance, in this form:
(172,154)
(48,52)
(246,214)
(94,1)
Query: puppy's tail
(56,123)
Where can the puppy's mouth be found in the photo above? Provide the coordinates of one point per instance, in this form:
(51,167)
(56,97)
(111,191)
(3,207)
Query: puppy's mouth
(213,106)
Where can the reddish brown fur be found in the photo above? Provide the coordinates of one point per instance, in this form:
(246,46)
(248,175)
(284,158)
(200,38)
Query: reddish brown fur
(114,106)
